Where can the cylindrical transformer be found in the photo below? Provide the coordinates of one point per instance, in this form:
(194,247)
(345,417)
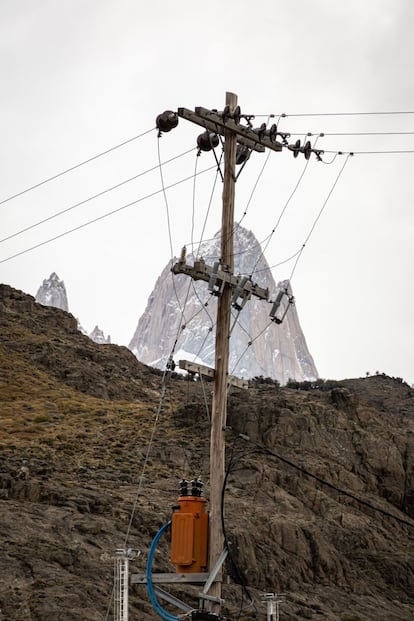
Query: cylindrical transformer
(189,535)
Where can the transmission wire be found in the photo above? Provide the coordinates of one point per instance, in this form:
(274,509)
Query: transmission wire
(141,478)
(64,172)
(319,215)
(106,215)
(310,474)
(59,213)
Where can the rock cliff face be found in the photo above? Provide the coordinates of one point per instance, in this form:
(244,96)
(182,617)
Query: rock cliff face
(179,308)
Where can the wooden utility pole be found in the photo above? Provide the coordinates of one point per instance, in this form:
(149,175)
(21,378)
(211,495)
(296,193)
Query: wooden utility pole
(229,288)
(219,408)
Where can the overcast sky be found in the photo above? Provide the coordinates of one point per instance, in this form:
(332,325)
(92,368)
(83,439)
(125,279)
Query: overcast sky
(80,76)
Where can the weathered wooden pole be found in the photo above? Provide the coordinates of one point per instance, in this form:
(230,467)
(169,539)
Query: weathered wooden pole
(219,407)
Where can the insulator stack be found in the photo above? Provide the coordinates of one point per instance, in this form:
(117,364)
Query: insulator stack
(295,148)
(306,149)
(242,153)
(207,141)
(166,121)
(189,529)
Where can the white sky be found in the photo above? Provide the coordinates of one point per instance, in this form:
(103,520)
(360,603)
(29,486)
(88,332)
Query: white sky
(81,76)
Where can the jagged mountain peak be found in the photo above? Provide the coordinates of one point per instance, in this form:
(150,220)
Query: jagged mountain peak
(52,292)
(97,335)
(258,347)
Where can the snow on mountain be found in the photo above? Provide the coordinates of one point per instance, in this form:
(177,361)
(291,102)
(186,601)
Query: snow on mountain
(180,316)
(52,292)
(99,337)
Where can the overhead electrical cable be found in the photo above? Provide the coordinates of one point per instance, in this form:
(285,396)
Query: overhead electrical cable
(165,196)
(340,490)
(280,216)
(90,198)
(377,152)
(170,362)
(303,114)
(105,215)
(147,455)
(182,323)
(319,214)
(193,205)
(266,269)
(67,170)
(201,240)
(249,344)
(323,134)
(255,186)
(239,574)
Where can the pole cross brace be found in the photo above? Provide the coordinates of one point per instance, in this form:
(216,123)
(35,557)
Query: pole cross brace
(218,278)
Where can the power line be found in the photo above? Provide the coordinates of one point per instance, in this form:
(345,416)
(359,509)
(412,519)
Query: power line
(67,170)
(319,214)
(385,151)
(255,186)
(323,134)
(344,492)
(284,115)
(283,211)
(90,198)
(105,215)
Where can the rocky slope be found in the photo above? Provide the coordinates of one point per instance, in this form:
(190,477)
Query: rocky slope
(180,316)
(316,472)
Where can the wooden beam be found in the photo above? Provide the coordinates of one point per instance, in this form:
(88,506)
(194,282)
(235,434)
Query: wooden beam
(213,126)
(201,369)
(214,122)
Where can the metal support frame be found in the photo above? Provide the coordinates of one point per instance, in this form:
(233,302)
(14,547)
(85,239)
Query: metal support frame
(272,600)
(122,557)
(212,577)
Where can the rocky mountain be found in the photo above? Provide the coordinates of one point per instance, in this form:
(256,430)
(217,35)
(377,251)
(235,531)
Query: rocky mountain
(52,292)
(180,313)
(319,497)
(97,335)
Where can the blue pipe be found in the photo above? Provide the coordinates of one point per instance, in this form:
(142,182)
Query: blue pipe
(164,614)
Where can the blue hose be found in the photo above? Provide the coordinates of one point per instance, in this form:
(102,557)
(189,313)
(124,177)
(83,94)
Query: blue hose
(164,614)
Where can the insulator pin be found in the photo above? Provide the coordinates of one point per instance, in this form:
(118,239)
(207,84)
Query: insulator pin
(166,121)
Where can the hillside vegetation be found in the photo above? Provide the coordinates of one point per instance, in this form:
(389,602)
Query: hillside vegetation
(319,497)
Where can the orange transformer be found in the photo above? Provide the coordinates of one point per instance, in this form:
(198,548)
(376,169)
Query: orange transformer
(189,531)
